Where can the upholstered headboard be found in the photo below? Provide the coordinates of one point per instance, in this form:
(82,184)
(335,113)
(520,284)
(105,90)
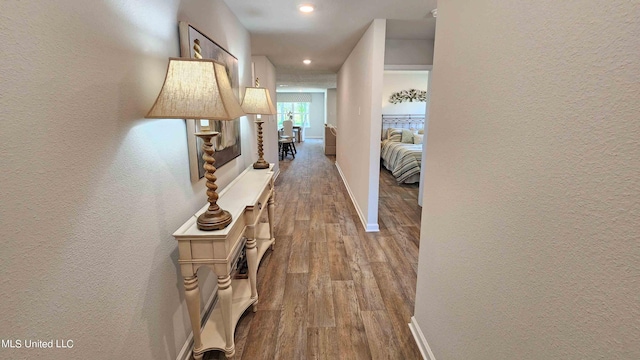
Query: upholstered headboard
(401,121)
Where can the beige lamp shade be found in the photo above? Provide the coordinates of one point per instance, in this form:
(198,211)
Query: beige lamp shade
(196,89)
(257,101)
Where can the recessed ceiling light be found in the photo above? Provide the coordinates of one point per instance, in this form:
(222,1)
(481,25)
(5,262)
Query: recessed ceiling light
(306,8)
(306,61)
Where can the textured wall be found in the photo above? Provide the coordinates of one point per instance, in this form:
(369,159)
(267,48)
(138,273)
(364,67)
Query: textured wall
(408,52)
(331,107)
(316,116)
(530,234)
(358,97)
(90,191)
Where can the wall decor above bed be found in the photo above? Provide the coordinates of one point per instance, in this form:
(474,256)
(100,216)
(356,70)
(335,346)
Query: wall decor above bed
(411,95)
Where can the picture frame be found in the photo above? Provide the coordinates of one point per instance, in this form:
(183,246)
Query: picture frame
(227,143)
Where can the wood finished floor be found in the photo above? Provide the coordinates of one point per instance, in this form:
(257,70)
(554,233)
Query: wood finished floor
(329,290)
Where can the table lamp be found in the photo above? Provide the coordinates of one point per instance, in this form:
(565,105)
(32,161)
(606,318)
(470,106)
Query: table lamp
(257,101)
(199,89)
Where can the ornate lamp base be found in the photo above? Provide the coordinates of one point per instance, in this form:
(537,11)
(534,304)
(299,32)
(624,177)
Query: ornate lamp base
(261,163)
(214,218)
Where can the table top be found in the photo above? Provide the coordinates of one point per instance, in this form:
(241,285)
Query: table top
(243,191)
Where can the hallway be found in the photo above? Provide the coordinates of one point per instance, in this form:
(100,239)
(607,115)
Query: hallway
(329,290)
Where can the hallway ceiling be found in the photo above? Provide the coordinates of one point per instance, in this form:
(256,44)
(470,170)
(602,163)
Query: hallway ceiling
(327,35)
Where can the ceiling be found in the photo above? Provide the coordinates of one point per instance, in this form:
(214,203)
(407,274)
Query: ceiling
(327,35)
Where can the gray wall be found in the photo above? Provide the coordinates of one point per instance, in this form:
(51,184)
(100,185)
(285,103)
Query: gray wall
(408,52)
(90,190)
(530,234)
(331,107)
(316,116)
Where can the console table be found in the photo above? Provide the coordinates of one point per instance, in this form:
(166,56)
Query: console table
(246,199)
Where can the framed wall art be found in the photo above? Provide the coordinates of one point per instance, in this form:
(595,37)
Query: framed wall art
(195,44)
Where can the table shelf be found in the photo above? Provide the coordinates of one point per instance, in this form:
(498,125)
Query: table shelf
(213,331)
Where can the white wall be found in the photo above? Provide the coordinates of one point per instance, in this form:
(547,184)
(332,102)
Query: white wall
(90,190)
(398,80)
(408,52)
(316,116)
(529,245)
(359,120)
(331,107)
(266,72)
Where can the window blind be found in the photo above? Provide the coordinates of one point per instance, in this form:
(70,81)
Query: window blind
(293,97)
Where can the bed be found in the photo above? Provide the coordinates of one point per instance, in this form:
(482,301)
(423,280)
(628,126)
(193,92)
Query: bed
(399,154)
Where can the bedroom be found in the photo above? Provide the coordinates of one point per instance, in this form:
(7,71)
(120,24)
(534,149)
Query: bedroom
(394,46)
(404,104)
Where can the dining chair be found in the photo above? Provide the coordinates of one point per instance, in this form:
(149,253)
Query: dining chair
(286,143)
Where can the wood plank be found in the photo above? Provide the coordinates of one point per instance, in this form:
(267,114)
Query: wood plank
(348,225)
(408,242)
(399,308)
(273,274)
(352,341)
(382,340)
(371,246)
(330,214)
(260,341)
(303,207)
(321,344)
(398,262)
(292,329)
(320,295)
(299,253)
(316,226)
(328,199)
(316,192)
(285,222)
(339,268)
(365,283)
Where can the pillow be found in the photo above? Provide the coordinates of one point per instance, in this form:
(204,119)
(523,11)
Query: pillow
(407,136)
(394,135)
(418,138)
(421,131)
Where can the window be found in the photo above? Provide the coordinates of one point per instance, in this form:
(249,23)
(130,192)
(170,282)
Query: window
(299,110)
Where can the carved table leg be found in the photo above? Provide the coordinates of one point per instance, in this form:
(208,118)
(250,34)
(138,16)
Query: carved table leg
(192,296)
(252,263)
(270,211)
(225,295)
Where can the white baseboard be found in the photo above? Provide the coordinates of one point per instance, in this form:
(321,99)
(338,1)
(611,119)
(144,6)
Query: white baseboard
(367,227)
(422,343)
(275,176)
(186,353)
